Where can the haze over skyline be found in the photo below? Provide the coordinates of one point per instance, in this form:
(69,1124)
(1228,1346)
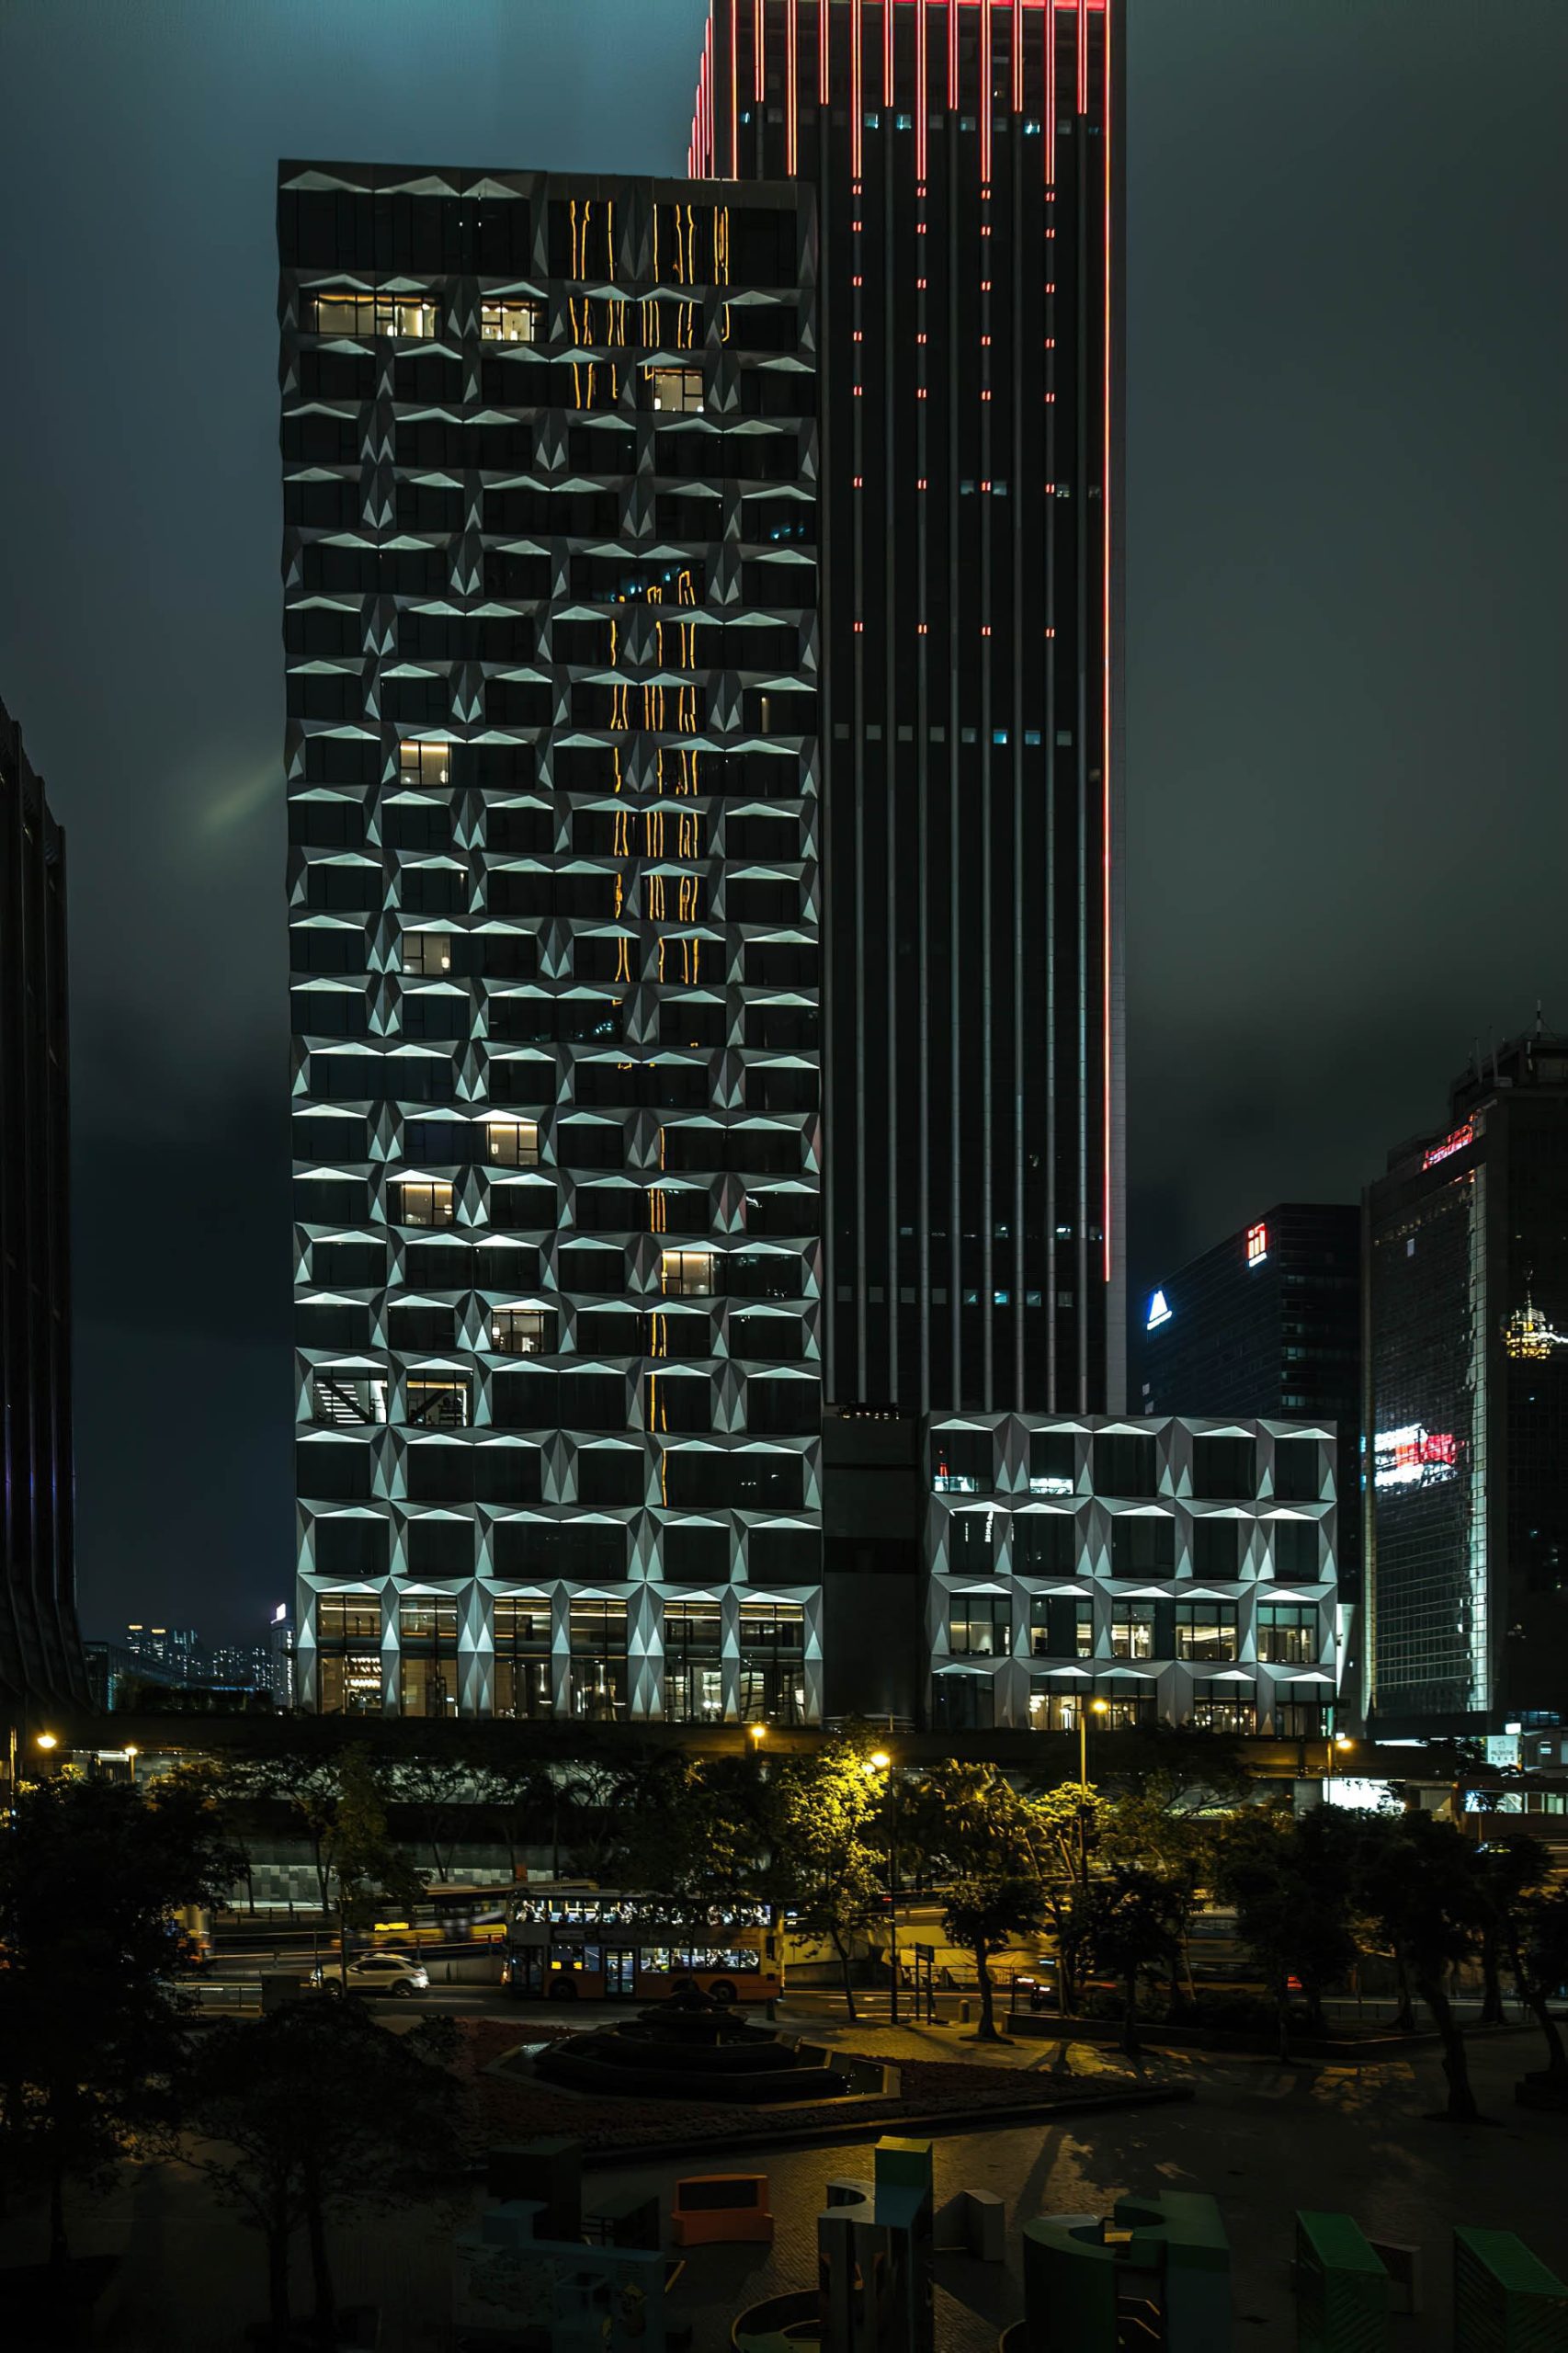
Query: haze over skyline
(1342,672)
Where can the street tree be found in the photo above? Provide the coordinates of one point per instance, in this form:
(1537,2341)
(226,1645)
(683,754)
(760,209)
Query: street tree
(985,1910)
(311,2116)
(91,1875)
(369,1869)
(830,1827)
(971,1820)
(1507,1869)
(1541,1970)
(1065,1824)
(1131,1925)
(1291,1881)
(1417,1885)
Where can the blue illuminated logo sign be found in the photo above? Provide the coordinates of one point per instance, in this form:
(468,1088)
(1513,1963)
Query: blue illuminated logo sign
(1159,1313)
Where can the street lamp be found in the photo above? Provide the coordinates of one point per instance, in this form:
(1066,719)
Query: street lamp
(1085,1709)
(131,1754)
(46,1741)
(881,1762)
(1338,1747)
(757,1735)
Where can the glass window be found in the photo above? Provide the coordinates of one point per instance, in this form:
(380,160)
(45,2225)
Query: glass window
(688,1274)
(424,1204)
(1297,1479)
(1061,1627)
(427,1622)
(1205,1629)
(693,1677)
(1141,1545)
(677,391)
(1224,1715)
(1053,1456)
(349,1618)
(772,1645)
(345,1400)
(1215,1547)
(962,1463)
(1124,1464)
(980,1625)
(512,1143)
(596,1679)
(1287,1635)
(356,313)
(963,1702)
(1133,1629)
(426,954)
(426,767)
(350,1683)
(429,1683)
(521,1330)
(1294,1543)
(1225,1468)
(508,322)
(437,1403)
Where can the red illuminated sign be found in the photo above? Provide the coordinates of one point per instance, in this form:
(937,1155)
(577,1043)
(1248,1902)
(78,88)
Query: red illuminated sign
(1257,1245)
(1452,1143)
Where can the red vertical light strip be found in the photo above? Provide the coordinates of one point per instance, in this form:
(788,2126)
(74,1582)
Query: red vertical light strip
(734,90)
(886,53)
(857,110)
(1105,624)
(792,85)
(711,156)
(1083,56)
(987,74)
(824,53)
(1017,54)
(759,44)
(953,55)
(922,93)
(1051,98)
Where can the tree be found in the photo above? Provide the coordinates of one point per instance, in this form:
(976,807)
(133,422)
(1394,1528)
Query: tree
(369,1869)
(830,1804)
(309,2115)
(1290,1879)
(439,1785)
(1417,1883)
(1064,1824)
(1541,1970)
(985,1910)
(1507,1869)
(91,1875)
(971,1818)
(1132,1925)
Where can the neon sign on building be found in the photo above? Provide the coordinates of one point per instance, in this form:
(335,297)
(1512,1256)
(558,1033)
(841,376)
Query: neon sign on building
(1450,1144)
(1257,1245)
(1413,1457)
(1159,1313)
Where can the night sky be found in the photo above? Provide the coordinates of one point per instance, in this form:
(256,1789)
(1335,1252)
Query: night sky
(1347,353)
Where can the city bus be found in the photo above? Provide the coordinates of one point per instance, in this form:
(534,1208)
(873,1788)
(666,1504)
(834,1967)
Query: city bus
(447,1914)
(578,1943)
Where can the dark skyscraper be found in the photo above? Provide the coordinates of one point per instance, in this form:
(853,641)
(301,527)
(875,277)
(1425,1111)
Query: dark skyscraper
(1268,1325)
(39,1650)
(966,156)
(550,461)
(1467,1410)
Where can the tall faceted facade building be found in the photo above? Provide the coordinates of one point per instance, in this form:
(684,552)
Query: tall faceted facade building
(966,158)
(549,484)
(40,1656)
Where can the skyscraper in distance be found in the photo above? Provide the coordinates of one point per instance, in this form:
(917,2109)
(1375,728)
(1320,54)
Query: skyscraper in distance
(40,1656)
(966,156)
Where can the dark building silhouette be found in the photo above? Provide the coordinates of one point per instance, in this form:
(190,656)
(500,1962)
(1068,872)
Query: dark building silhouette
(1466,1524)
(1268,1323)
(967,165)
(549,475)
(41,1656)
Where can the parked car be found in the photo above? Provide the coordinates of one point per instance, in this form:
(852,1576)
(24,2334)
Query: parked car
(374,1972)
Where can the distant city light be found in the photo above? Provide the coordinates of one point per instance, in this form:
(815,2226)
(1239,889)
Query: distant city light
(1159,1311)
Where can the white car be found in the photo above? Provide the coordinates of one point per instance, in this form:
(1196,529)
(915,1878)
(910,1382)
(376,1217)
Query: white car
(374,1972)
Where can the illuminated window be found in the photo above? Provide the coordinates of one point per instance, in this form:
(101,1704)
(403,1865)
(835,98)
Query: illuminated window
(508,322)
(349,1618)
(427,953)
(512,1143)
(1257,1245)
(520,1331)
(424,1204)
(1287,1635)
(980,1625)
(688,1274)
(1205,1629)
(1133,1629)
(346,1401)
(437,1403)
(426,767)
(675,391)
(370,313)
